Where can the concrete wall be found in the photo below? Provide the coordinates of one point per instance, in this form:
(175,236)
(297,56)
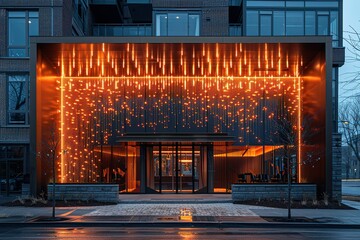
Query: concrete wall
(85,192)
(241,192)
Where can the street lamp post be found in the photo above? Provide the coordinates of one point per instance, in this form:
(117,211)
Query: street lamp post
(54,157)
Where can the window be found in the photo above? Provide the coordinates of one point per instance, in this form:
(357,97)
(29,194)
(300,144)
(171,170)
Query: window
(21,25)
(177,24)
(323,25)
(322,4)
(310,23)
(294,23)
(295,4)
(334,31)
(194,22)
(266,4)
(279,23)
(265,24)
(11,167)
(252,23)
(18,99)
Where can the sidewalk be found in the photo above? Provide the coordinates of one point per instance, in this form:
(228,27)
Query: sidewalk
(181,210)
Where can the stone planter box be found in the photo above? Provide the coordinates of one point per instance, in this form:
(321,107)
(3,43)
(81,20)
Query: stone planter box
(243,192)
(85,192)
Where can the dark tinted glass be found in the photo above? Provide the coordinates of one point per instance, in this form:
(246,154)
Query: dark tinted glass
(294,23)
(252,23)
(177,24)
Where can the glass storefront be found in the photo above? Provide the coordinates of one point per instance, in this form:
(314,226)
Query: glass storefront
(177,168)
(113,164)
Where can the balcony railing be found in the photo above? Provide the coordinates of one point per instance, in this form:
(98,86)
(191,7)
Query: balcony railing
(235,30)
(123,30)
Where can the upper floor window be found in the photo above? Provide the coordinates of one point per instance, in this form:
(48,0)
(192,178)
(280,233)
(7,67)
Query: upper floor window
(21,25)
(18,99)
(292,23)
(177,24)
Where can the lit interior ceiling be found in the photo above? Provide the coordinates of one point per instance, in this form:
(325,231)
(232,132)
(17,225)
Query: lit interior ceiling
(246,151)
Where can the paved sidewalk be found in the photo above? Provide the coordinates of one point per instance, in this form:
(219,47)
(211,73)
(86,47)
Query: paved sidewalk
(163,209)
(175,209)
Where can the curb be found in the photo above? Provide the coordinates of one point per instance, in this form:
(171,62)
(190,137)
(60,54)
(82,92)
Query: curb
(178,224)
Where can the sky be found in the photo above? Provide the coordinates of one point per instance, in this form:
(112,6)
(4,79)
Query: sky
(351,18)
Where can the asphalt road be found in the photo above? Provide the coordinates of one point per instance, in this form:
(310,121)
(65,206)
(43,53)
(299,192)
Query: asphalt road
(177,233)
(351,188)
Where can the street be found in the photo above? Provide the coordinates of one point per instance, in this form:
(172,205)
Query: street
(137,220)
(177,233)
(351,188)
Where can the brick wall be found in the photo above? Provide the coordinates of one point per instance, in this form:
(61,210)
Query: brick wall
(3,35)
(241,192)
(85,192)
(10,133)
(19,135)
(49,12)
(336,167)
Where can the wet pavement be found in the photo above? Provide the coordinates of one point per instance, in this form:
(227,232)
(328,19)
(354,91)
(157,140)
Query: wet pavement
(175,209)
(178,210)
(178,233)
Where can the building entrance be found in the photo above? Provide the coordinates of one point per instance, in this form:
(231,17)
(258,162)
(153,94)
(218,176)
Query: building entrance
(177,168)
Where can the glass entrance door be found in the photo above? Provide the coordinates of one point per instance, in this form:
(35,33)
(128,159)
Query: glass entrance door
(177,168)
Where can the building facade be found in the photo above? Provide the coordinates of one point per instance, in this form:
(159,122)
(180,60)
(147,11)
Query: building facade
(170,96)
(350,165)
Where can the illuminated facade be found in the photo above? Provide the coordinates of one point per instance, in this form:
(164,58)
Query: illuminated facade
(170,96)
(182,116)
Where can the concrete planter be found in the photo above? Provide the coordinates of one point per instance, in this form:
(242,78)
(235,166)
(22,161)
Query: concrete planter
(242,192)
(85,192)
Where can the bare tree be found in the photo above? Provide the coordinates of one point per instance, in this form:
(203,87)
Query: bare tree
(287,130)
(350,122)
(50,156)
(17,97)
(351,80)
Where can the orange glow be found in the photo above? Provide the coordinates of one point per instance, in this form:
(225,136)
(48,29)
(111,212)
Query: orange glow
(138,59)
(299,120)
(105,89)
(251,151)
